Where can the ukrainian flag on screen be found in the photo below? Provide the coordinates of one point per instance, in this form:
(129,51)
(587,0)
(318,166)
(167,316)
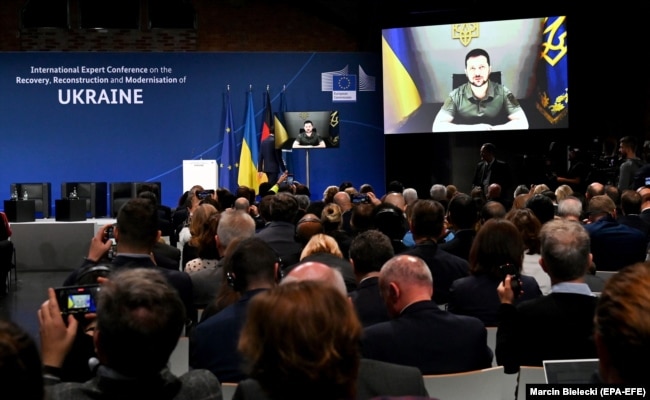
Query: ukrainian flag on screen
(552,78)
(401,95)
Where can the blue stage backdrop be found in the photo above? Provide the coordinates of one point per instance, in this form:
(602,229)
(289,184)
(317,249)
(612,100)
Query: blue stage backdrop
(114,117)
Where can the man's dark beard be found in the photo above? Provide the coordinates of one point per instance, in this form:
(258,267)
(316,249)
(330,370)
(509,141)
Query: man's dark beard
(475,85)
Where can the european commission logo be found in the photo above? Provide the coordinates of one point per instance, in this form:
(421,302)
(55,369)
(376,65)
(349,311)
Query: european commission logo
(344,85)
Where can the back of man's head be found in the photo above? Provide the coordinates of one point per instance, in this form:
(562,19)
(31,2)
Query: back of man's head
(390,220)
(140,317)
(462,211)
(410,195)
(241,204)
(492,209)
(565,249)
(570,208)
(343,200)
(427,219)
(369,250)
(251,264)
(413,278)
(600,206)
(317,271)
(137,224)
(283,207)
(438,192)
(630,202)
(542,206)
(307,226)
(396,199)
(622,328)
(234,224)
(595,189)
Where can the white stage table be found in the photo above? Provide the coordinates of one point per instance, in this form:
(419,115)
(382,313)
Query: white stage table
(50,245)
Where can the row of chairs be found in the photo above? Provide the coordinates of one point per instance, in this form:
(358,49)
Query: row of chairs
(94,193)
(487,384)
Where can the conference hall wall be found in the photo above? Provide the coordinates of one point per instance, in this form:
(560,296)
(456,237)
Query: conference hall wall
(99,118)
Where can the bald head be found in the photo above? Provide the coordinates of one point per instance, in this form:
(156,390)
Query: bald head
(308,226)
(403,280)
(396,199)
(343,200)
(242,204)
(316,271)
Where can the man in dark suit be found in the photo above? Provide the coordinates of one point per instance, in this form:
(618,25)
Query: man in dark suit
(213,343)
(368,252)
(280,232)
(613,245)
(420,333)
(427,224)
(376,378)
(560,324)
(463,216)
(136,234)
(630,210)
(271,162)
(491,170)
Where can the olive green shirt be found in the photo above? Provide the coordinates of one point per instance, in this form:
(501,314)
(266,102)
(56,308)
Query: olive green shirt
(494,109)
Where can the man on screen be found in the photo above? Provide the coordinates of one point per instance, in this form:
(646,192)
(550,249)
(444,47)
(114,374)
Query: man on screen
(308,137)
(480,104)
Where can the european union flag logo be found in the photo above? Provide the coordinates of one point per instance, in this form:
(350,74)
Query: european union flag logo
(344,88)
(344,83)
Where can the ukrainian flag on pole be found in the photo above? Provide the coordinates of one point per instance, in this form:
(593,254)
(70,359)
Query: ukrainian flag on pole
(249,149)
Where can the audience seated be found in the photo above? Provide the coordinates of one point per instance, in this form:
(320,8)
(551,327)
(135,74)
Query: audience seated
(497,244)
(570,208)
(613,245)
(344,201)
(529,227)
(492,209)
(318,361)
(21,375)
(280,232)
(420,333)
(630,210)
(560,324)
(542,206)
(164,215)
(426,223)
(233,224)
(368,252)
(361,218)
(251,269)
(140,318)
(391,221)
(332,221)
(307,226)
(462,216)
(136,232)
(323,248)
(375,377)
(205,222)
(621,327)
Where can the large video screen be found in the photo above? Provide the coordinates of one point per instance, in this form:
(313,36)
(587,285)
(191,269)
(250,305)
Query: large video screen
(476,76)
(311,129)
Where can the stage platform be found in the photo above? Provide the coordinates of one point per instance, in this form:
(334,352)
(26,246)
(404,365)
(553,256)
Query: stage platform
(50,245)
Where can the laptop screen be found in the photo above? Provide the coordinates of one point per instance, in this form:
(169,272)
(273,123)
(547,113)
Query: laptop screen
(571,371)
